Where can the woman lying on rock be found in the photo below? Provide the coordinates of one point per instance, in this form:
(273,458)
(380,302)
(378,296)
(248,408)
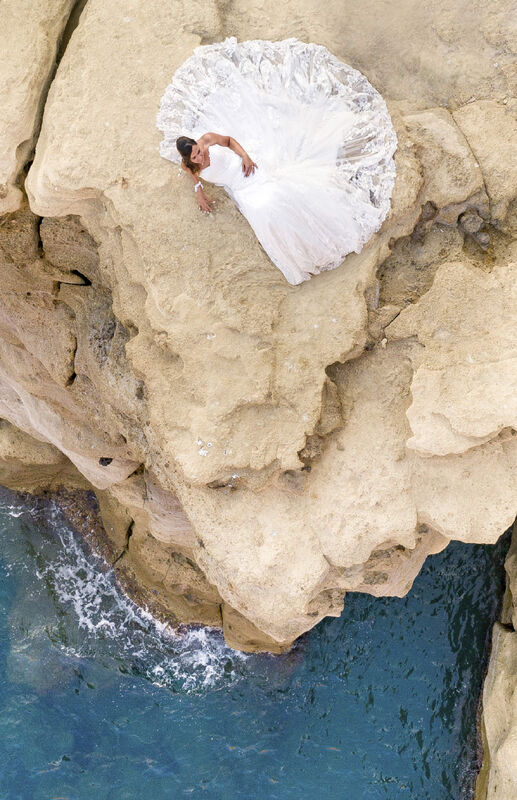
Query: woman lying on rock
(320,177)
(196,159)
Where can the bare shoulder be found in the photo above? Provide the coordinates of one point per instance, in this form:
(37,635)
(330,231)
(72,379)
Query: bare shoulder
(214,138)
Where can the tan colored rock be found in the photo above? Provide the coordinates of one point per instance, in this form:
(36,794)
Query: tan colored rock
(455,493)
(233,314)
(500,719)
(380,318)
(409,270)
(164,516)
(25,317)
(31,31)
(224,416)
(53,337)
(487,123)
(158,572)
(419,55)
(510,618)
(230,313)
(240,633)
(28,465)
(452,175)
(169,577)
(250,480)
(465,386)
(64,430)
(295,549)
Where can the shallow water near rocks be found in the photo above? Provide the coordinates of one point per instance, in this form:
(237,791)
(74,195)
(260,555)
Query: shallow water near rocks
(99,701)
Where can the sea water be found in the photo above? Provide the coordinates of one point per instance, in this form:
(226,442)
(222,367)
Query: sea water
(100,702)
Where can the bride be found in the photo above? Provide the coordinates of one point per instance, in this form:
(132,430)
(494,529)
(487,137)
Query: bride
(309,161)
(195,158)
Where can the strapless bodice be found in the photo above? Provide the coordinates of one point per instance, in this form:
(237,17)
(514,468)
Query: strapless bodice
(225,169)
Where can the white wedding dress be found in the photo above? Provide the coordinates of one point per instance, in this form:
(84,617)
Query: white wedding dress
(319,132)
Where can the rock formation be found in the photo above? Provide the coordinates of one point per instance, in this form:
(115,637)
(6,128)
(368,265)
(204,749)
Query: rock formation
(497,779)
(257,449)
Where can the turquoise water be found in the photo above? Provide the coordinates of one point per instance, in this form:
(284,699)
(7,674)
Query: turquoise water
(97,701)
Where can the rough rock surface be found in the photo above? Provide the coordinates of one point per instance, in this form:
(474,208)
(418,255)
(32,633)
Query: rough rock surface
(464,390)
(260,449)
(31,34)
(33,465)
(497,779)
(498,164)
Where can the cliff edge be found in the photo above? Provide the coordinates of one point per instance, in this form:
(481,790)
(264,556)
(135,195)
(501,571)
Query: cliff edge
(258,449)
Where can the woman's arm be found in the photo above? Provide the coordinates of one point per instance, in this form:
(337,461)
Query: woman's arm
(202,200)
(248,166)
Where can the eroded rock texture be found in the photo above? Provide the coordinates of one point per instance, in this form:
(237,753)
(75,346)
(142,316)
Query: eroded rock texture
(32,31)
(498,777)
(259,449)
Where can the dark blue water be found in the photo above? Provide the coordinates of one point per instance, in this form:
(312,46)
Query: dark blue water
(97,701)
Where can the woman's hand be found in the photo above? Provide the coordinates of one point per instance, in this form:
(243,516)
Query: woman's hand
(203,202)
(248,166)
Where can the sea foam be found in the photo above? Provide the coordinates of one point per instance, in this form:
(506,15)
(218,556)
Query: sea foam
(108,624)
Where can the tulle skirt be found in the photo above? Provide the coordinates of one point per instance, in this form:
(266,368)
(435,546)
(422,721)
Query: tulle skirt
(319,132)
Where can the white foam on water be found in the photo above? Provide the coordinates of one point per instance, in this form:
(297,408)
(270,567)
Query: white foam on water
(113,627)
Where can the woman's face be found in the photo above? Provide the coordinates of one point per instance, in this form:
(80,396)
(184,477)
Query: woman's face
(196,154)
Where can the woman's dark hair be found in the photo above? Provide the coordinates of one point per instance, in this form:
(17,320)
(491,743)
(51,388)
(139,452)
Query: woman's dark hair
(184,145)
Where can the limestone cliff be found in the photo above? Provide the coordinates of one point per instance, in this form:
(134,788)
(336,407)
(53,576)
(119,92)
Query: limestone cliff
(259,449)
(498,777)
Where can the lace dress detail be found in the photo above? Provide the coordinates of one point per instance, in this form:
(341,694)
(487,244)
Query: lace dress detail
(320,133)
